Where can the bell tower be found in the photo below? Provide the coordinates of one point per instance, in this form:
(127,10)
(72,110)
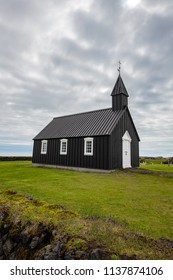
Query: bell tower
(119,93)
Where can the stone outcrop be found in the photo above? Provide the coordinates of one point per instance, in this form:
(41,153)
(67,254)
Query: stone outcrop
(37,241)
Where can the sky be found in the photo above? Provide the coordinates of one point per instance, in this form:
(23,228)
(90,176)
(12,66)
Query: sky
(61,57)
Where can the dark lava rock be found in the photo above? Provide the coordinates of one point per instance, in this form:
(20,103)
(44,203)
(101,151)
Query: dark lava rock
(81,255)
(8,246)
(35,242)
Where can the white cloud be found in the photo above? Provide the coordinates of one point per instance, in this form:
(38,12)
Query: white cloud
(132,3)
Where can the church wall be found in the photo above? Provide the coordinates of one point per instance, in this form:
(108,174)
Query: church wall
(75,153)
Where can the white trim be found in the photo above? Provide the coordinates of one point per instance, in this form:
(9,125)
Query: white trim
(44,147)
(126,150)
(126,136)
(62,150)
(86,147)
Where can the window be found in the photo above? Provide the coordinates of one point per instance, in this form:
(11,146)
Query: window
(88,146)
(44,147)
(63,146)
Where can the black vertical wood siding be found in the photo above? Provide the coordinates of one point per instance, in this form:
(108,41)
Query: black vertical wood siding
(75,153)
(125,123)
(107,149)
(119,102)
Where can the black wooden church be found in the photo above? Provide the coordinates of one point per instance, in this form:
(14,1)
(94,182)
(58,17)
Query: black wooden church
(103,139)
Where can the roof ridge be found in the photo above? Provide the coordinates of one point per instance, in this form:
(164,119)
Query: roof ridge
(76,114)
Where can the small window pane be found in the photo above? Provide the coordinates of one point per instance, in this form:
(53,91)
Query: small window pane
(44,147)
(64,144)
(88,146)
(63,147)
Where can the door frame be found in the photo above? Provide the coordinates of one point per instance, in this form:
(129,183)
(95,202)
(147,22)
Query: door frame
(126,139)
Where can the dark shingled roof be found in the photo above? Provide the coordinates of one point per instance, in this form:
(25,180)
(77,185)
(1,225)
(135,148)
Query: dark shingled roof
(95,123)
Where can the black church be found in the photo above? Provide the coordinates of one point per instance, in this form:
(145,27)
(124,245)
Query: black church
(104,139)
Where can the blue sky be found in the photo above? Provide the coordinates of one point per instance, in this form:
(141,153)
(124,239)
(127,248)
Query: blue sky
(61,57)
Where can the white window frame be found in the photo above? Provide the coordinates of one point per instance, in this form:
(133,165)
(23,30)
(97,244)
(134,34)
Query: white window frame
(44,147)
(88,139)
(62,141)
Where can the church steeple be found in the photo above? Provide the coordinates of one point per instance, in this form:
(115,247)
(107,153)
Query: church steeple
(119,95)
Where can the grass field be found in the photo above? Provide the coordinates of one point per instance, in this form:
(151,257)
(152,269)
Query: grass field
(158,167)
(143,202)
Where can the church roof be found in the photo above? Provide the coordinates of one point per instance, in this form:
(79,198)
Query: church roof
(94,123)
(119,87)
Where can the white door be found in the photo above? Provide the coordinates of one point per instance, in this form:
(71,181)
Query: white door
(126,150)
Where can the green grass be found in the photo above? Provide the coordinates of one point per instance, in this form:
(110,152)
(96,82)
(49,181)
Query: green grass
(25,215)
(158,167)
(143,202)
